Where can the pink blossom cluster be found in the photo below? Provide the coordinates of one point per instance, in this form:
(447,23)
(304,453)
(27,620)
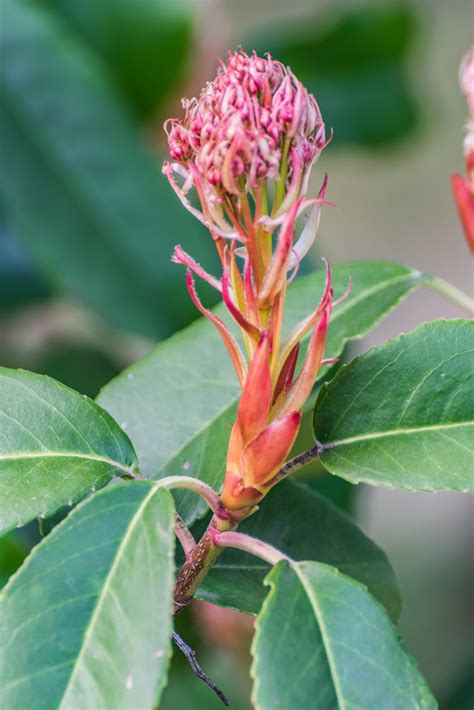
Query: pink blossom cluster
(247,145)
(255,122)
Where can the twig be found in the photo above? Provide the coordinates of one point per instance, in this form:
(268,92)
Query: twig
(191,656)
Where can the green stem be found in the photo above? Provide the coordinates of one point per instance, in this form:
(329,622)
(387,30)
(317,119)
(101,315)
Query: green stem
(453,293)
(199,487)
(250,544)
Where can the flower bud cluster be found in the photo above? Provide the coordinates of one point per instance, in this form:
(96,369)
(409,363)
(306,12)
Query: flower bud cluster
(255,131)
(235,132)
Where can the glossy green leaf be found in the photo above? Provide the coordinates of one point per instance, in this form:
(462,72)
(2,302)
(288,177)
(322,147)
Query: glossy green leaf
(86,622)
(305,526)
(55,446)
(323,642)
(144,44)
(178,404)
(402,415)
(82,190)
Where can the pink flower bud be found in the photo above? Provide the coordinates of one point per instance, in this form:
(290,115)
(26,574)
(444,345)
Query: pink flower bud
(463,188)
(263,103)
(247,145)
(466,79)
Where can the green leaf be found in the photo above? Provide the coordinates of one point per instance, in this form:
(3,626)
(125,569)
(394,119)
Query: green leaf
(323,642)
(86,622)
(144,44)
(402,415)
(303,525)
(179,402)
(55,446)
(82,191)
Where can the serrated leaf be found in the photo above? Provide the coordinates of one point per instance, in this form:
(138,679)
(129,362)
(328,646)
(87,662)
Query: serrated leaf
(55,446)
(87,621)
(303,525)
(179,402)
(323,642)
(82,191)
(402,415)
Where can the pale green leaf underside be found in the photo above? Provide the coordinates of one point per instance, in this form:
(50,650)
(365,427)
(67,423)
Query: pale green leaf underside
(86,622)
(322,642)
(178,403)
(303,525)
(55,446)
(402,415)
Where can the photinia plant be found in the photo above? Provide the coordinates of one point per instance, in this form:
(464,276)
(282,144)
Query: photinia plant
(87,621)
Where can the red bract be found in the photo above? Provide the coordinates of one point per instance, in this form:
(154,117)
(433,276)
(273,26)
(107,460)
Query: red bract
(464,197)
(463,187)
(246,146)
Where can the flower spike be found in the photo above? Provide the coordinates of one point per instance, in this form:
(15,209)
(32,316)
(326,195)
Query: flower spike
(246,145)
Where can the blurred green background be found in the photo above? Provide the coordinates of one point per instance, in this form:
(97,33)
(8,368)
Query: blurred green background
(88,223)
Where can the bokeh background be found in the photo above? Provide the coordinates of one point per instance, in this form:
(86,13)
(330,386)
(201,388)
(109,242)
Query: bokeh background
(87,226)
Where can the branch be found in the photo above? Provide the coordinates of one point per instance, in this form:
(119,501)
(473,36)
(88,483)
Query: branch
(191,656)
